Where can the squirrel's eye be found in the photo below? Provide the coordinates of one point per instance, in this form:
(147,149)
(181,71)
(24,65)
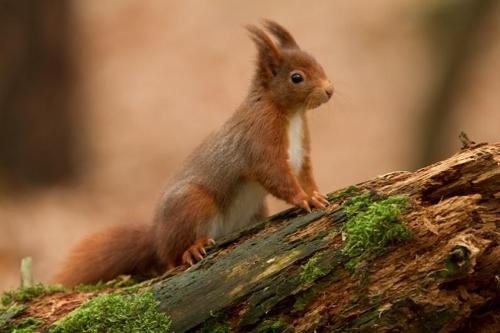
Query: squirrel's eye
(297,78)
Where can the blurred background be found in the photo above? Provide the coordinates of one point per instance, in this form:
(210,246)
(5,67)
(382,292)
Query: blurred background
(100,100)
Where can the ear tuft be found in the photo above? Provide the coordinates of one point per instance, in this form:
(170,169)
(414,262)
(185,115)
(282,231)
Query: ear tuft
(268,54)
(282,35)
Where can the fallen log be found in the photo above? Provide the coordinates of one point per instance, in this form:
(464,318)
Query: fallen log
(431,264)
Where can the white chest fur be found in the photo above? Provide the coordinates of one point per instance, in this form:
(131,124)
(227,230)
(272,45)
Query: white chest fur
(295,142)
(245,204)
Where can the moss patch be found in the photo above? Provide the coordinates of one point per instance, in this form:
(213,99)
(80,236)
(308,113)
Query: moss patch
(26,325)
(122,281)
(373,224)
(7,324)
(88,288)
(116,313)
(27,294)
(9,312)
(271,326)
(303,299)
(457,263)
(311,270)
(216,327)
(343,194)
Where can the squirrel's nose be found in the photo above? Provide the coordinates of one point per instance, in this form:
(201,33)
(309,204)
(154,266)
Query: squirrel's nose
(329,91)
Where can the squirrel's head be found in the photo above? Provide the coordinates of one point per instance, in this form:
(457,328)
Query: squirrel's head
(292,77)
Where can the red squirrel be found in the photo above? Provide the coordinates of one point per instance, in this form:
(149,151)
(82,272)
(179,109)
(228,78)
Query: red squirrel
(263,148)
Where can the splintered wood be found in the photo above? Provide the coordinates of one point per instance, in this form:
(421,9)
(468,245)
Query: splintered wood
(447,278)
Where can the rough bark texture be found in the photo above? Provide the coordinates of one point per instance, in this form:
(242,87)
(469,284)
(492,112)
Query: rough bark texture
(445,279)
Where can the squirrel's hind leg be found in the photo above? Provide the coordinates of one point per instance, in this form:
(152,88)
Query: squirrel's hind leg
(183,234)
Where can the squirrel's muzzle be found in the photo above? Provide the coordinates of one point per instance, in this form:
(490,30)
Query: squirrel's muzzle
(328,87)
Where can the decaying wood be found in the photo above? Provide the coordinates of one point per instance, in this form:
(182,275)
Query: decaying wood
(446,279)
(455,217)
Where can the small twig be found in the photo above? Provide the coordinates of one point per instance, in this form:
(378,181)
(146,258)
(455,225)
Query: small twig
(26,273)
(466,142)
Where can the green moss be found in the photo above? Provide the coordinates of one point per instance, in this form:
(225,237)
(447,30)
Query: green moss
(457,260)
(28,293)
(26,325)
(8,323)
(311,271)
(133,288)
(216,324)
(358,204)
(364,318)
(122,281)
(9,312)
(456,263)
(271,326)
(87,288)
(434,321)
(373,224)
(303,299)
(216,327)
(343,194)
(115,313)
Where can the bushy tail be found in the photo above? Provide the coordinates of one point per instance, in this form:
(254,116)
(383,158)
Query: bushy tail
(122,249)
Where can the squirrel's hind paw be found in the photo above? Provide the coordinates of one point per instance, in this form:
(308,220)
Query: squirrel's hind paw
(196,252)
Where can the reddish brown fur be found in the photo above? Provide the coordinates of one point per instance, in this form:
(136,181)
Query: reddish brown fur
(184,226)
(248,153)
(122,249)
(270,144)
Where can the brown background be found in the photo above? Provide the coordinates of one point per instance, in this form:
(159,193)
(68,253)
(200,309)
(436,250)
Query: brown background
(150,79)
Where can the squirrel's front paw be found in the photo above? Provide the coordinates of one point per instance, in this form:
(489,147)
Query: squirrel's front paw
(318,200)
(196,252)
(302,200)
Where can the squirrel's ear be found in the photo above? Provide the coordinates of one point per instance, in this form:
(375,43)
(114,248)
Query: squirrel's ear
(282,35)
(269,56)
